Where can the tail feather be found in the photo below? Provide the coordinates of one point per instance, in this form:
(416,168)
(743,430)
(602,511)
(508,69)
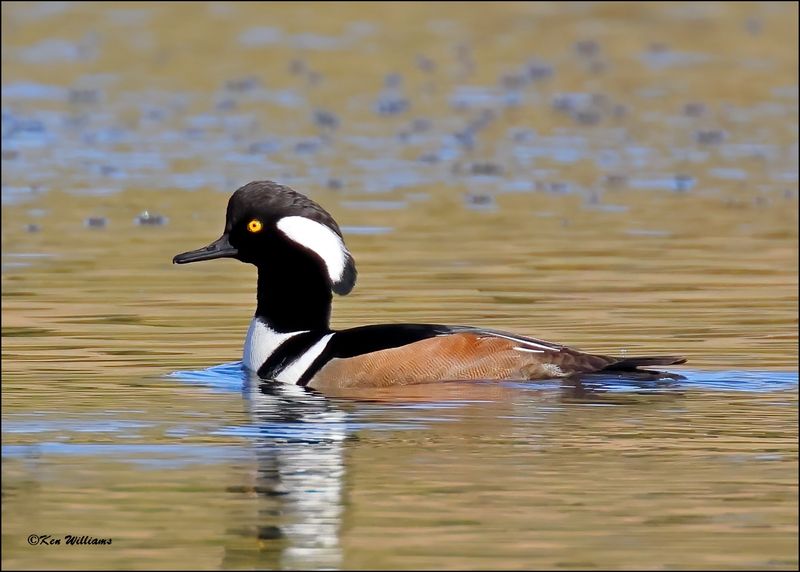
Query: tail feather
(630,364)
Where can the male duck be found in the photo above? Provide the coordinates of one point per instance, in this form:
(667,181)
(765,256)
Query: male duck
(301,258)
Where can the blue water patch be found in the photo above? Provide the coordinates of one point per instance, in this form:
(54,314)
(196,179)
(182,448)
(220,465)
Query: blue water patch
(232,377)
(739,380)
(282,416)
(57,50)
(691,380)
(261,36)
(163,455)
(29,424)
(32,90)
(277,434)
(369,230)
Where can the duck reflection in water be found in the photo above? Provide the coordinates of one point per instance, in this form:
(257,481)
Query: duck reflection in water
(298,441)
(300,438)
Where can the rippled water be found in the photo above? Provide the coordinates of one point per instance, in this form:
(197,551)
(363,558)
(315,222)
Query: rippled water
(619,177)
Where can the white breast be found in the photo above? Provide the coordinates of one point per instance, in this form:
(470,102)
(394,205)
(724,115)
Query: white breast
(261,342)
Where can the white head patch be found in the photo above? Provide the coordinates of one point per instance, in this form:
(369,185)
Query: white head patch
(321,240)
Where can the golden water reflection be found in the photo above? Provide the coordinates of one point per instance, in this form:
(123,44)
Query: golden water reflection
(621,177)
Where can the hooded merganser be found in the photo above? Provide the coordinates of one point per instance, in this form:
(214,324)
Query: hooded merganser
(301,258)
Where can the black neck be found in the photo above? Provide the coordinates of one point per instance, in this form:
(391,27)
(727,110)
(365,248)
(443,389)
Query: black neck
(298,299)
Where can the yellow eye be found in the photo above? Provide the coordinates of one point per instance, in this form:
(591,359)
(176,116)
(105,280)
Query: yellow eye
(254,225)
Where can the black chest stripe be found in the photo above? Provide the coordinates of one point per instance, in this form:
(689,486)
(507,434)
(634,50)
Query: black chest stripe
(288,352)
(368,339)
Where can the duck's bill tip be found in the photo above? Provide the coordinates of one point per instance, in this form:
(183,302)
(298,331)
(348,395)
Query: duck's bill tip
(220,248)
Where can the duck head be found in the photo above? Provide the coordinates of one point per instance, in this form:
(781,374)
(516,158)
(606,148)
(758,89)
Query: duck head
(283,233)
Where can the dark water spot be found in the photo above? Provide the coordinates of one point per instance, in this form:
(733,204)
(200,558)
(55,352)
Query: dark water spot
(514,80)
(307,146)
(615,180)
(269,533)
(483,120)
(684,183)
(479,200)
(694,109)
(522,135)
(84,96)
(572,102)
(226,104)
(147,219)
(587,48)
(420,125)
(334,183)
(556,187)
(392,105)
(95,222)
(325,118)
(193,133)
(108,170)
(314,77)
(597,66)
(753,26)
(465,60)
(78,122)
(393,81)
(618,111)
(243,84)
(587,116)
(297,67)
(465,139)
(538,70)
(263,147)
(32,228)
(429,158)
(657,48)
(426,64)
(485,168)
(710,136)
(154,114)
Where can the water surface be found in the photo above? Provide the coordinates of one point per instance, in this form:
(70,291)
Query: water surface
(619,177)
